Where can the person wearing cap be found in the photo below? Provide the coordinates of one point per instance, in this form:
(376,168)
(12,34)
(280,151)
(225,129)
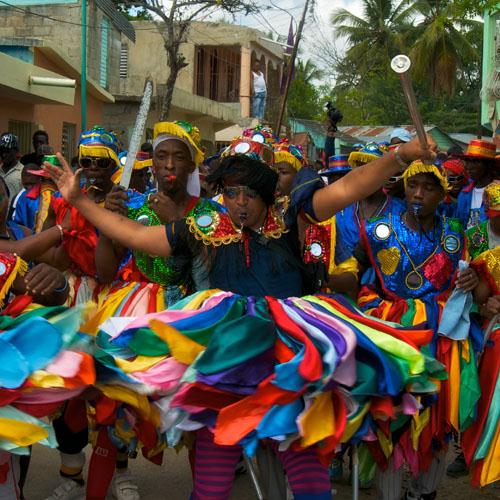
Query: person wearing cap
(479,161)
(31,207)
(416,255)
(40,138)
(399,136)
(338,166)
(457,179)
(98,161)
(12,168)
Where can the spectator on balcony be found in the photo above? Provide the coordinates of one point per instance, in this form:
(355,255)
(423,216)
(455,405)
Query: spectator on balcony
(259,91)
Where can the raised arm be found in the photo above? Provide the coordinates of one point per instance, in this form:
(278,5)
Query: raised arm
(364,181)
(151,240)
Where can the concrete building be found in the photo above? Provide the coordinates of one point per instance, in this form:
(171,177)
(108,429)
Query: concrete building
(490,92)
(27,106)
(213,91)
(36,34)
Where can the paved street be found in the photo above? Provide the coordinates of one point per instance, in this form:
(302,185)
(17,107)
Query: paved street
(172,481)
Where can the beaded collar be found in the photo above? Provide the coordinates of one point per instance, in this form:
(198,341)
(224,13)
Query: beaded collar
(215,228)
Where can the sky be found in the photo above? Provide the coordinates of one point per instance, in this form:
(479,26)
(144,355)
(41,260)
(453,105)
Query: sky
(277,21)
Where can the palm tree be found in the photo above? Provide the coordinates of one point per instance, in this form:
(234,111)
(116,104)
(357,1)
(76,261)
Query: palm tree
(441,46)
(307,71)
(381,30)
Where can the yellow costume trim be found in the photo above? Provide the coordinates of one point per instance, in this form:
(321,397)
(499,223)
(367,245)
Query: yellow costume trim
(350,265)
(360,158)
(194,138)
(182,348)
(389,259)
(286,157)
(21,433)
(418,424)
(128,396)
(98,152)
(490,472)
(139,364)
(418,167)
(41,378)
(20,268)
(318,421)
(454,378)
(43,209)
(353,425)
(107,307)
(492,195)
(385,443)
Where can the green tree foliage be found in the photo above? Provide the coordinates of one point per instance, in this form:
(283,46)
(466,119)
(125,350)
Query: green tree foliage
(304,98)
(445,48)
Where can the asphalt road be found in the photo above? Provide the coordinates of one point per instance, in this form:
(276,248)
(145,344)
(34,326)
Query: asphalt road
(172,480)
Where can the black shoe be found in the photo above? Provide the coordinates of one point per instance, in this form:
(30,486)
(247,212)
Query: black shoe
(458,467)
(424,496)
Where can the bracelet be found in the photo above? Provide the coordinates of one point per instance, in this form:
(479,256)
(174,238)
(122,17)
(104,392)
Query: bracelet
(398,158)
(62,289)
(61,231)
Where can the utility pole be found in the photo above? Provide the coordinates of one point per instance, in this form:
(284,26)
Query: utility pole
(83,71)
(290,69)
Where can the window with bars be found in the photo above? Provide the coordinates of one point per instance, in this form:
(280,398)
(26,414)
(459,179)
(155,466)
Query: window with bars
(24,131)
(68,140)
(124,60)
(103,57)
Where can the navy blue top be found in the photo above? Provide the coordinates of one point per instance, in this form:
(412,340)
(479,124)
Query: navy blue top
(270,272)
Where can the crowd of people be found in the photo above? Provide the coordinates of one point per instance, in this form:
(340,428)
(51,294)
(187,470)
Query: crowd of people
(250,304)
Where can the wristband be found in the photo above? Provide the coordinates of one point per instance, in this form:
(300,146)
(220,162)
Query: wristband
(63,288)
(398,158)
(61,231)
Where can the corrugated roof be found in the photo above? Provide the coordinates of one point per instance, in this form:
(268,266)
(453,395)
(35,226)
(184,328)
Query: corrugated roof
(120,22)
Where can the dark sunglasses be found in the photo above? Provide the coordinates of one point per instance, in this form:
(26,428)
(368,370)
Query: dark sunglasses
(455,178)
(232,192)
(87,162)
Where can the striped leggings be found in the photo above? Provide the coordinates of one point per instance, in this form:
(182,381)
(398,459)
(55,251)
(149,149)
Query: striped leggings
(215,465)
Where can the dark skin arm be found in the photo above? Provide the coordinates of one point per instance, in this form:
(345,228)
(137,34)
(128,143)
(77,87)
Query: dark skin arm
(346,283)
(34,246)
(45,284)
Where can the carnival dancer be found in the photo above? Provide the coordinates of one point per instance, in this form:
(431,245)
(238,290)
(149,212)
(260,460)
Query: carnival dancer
(98,159)
(416,256)
(33,205)
(20,287)
(239,249)
(479,164)
(457,179)
(480,238)
(486,236)
(144,283)
(481,441)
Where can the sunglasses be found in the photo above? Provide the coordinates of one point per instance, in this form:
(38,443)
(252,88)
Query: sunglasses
(455,178)
(233,192)
(88,162)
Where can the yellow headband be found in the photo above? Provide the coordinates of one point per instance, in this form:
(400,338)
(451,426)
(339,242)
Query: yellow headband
(98,152)
(418,167)
(286,157)
(192,139)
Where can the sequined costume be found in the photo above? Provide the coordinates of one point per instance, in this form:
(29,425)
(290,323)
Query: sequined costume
(481,442)
(415,277)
